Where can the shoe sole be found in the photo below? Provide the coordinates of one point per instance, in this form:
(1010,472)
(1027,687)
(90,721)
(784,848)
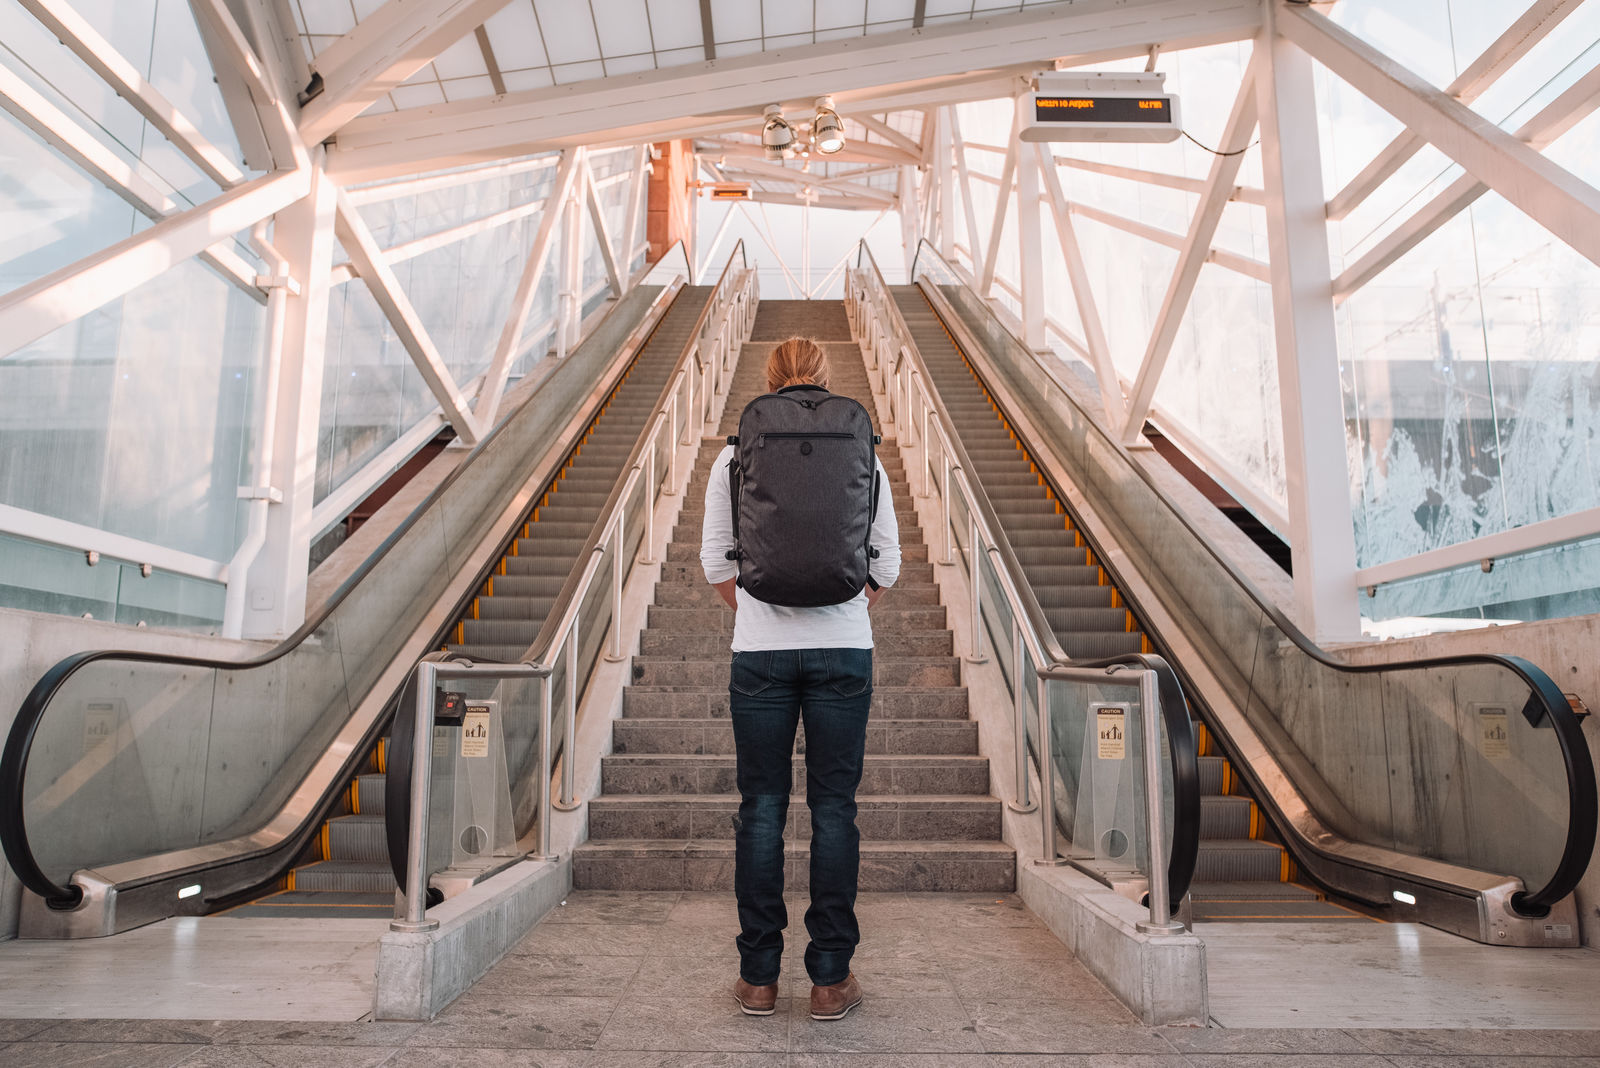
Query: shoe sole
(748,1011)
(841,1014)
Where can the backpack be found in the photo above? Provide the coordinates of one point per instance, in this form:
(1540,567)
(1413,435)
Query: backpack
(804,487)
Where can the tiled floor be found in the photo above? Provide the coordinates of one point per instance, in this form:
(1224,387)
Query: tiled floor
(639,980)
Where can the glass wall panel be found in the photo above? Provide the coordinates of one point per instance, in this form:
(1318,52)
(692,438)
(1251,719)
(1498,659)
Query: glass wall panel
(137,417)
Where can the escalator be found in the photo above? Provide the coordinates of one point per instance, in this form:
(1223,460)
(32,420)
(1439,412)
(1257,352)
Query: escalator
(1290,738)
(138,786)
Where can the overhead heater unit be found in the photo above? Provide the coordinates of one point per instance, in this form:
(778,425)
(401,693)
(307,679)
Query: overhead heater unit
(1082,106)
(730,190)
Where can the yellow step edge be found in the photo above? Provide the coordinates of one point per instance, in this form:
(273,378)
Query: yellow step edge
(1144,645)
(1202,740)
(1227,779)
(355,796)
(383,756)
(1116,594)
(1128,625)
(325,841)
(1255,820)
(288,880)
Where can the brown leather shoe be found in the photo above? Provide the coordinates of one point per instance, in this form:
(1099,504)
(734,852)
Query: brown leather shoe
(755,1000)
(835,1002)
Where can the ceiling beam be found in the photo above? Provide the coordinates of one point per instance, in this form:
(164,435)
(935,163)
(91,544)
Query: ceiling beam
(888,133)
(496,79)
(383,50)
(918,13)
(729,94)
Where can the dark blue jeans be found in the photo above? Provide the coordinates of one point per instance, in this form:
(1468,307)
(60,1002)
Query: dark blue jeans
(769,693)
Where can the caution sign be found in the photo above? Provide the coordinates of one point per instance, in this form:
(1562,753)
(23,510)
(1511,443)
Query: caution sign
(99,724)
(1111,732)
(1494,736)
(475,732)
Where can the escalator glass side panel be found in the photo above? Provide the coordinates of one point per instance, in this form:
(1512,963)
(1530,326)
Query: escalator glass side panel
(1472,762)
(136,758)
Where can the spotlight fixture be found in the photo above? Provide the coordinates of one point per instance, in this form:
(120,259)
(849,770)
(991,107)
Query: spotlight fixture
(827,129)
(777,136)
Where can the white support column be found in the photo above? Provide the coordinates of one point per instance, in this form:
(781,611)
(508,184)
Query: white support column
(275,585)
(944,166)
(908,207)
(1320,531)
(1030,249)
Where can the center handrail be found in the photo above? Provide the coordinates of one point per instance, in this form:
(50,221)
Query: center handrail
(727,313)
(24,729)
(1034,635)
(1553,707)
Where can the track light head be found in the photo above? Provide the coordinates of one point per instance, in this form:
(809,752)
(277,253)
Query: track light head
(827,129)
(776,134)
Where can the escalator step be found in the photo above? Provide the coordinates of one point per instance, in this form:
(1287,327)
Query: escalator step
(1086,595)
(1096,646)
(1227,817)
(1240,860)
(354,876)
(370,795)
(506,606)
(357,838)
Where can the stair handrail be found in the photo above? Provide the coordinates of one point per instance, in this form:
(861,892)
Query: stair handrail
(724,322)
(1552,704)
(904,377)
(35,705)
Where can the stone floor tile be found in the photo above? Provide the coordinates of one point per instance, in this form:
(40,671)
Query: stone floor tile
(588,939)
(192,1031)
(694,1025)
(1063,980)
(1261,1040)
(1459,1060)
(482,1057)
(973,910)
(288,1056)
(620,1058)
(1288,1060)
(1583,1043)
(17,1030)
(997,943)
(1087,1060)
(96,1054)
(702,977)
(1030,1025)
(614,906)
(887,1025)
(901,977)
(1444,1041)
(521,1022)
(889,1060)
(568,975)
(322,1033)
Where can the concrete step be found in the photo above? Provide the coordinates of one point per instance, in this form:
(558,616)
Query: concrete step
(888,702)
(971,867)
(713,773)
(719,620)
(880,819)
(714,735)
(692,646)
(921,671)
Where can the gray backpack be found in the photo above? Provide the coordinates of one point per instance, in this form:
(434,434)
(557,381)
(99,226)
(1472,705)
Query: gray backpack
(804,487)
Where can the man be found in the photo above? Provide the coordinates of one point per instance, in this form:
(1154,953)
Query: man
(791,663)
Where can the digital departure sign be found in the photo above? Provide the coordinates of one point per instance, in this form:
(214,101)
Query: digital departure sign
(1102,109)
(1099,106)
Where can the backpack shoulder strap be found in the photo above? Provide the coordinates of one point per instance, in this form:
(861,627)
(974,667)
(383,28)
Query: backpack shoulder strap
(733,496)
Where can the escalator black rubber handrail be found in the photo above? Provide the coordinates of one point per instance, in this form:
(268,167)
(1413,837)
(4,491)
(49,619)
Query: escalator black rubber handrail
(1553,708)
(397,781)
(30,714)
(1183,747)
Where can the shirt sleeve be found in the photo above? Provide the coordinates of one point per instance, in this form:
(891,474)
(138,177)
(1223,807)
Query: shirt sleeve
(885,538)
(716,537)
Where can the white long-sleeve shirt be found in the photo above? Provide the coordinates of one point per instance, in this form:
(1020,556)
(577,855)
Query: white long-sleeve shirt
(758,625)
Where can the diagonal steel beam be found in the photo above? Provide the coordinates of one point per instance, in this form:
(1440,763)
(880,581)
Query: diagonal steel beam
(380,279)
(1002,198)
(888,133)
(708,33)
(1094,332)
(959,148)
(1551,195)
(494,382)
(1535,24)
(383,50)
(1553,120)
(1196,247)
(602,233)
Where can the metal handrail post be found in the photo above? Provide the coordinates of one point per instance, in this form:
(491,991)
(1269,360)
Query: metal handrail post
(672,457)
(685,438)
(568,800)
(647,548)
(615,655)
(944,502)
(975,552)
(416,917)
(547,718)
(924,475)
(1047,776)
(1019,702)
(1160,921)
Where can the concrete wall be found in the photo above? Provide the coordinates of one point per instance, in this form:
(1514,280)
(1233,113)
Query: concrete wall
(30,644)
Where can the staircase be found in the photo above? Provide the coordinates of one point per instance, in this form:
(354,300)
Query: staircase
(664,817)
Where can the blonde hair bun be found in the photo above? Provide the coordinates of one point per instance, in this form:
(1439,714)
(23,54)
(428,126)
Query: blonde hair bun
(798,361)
